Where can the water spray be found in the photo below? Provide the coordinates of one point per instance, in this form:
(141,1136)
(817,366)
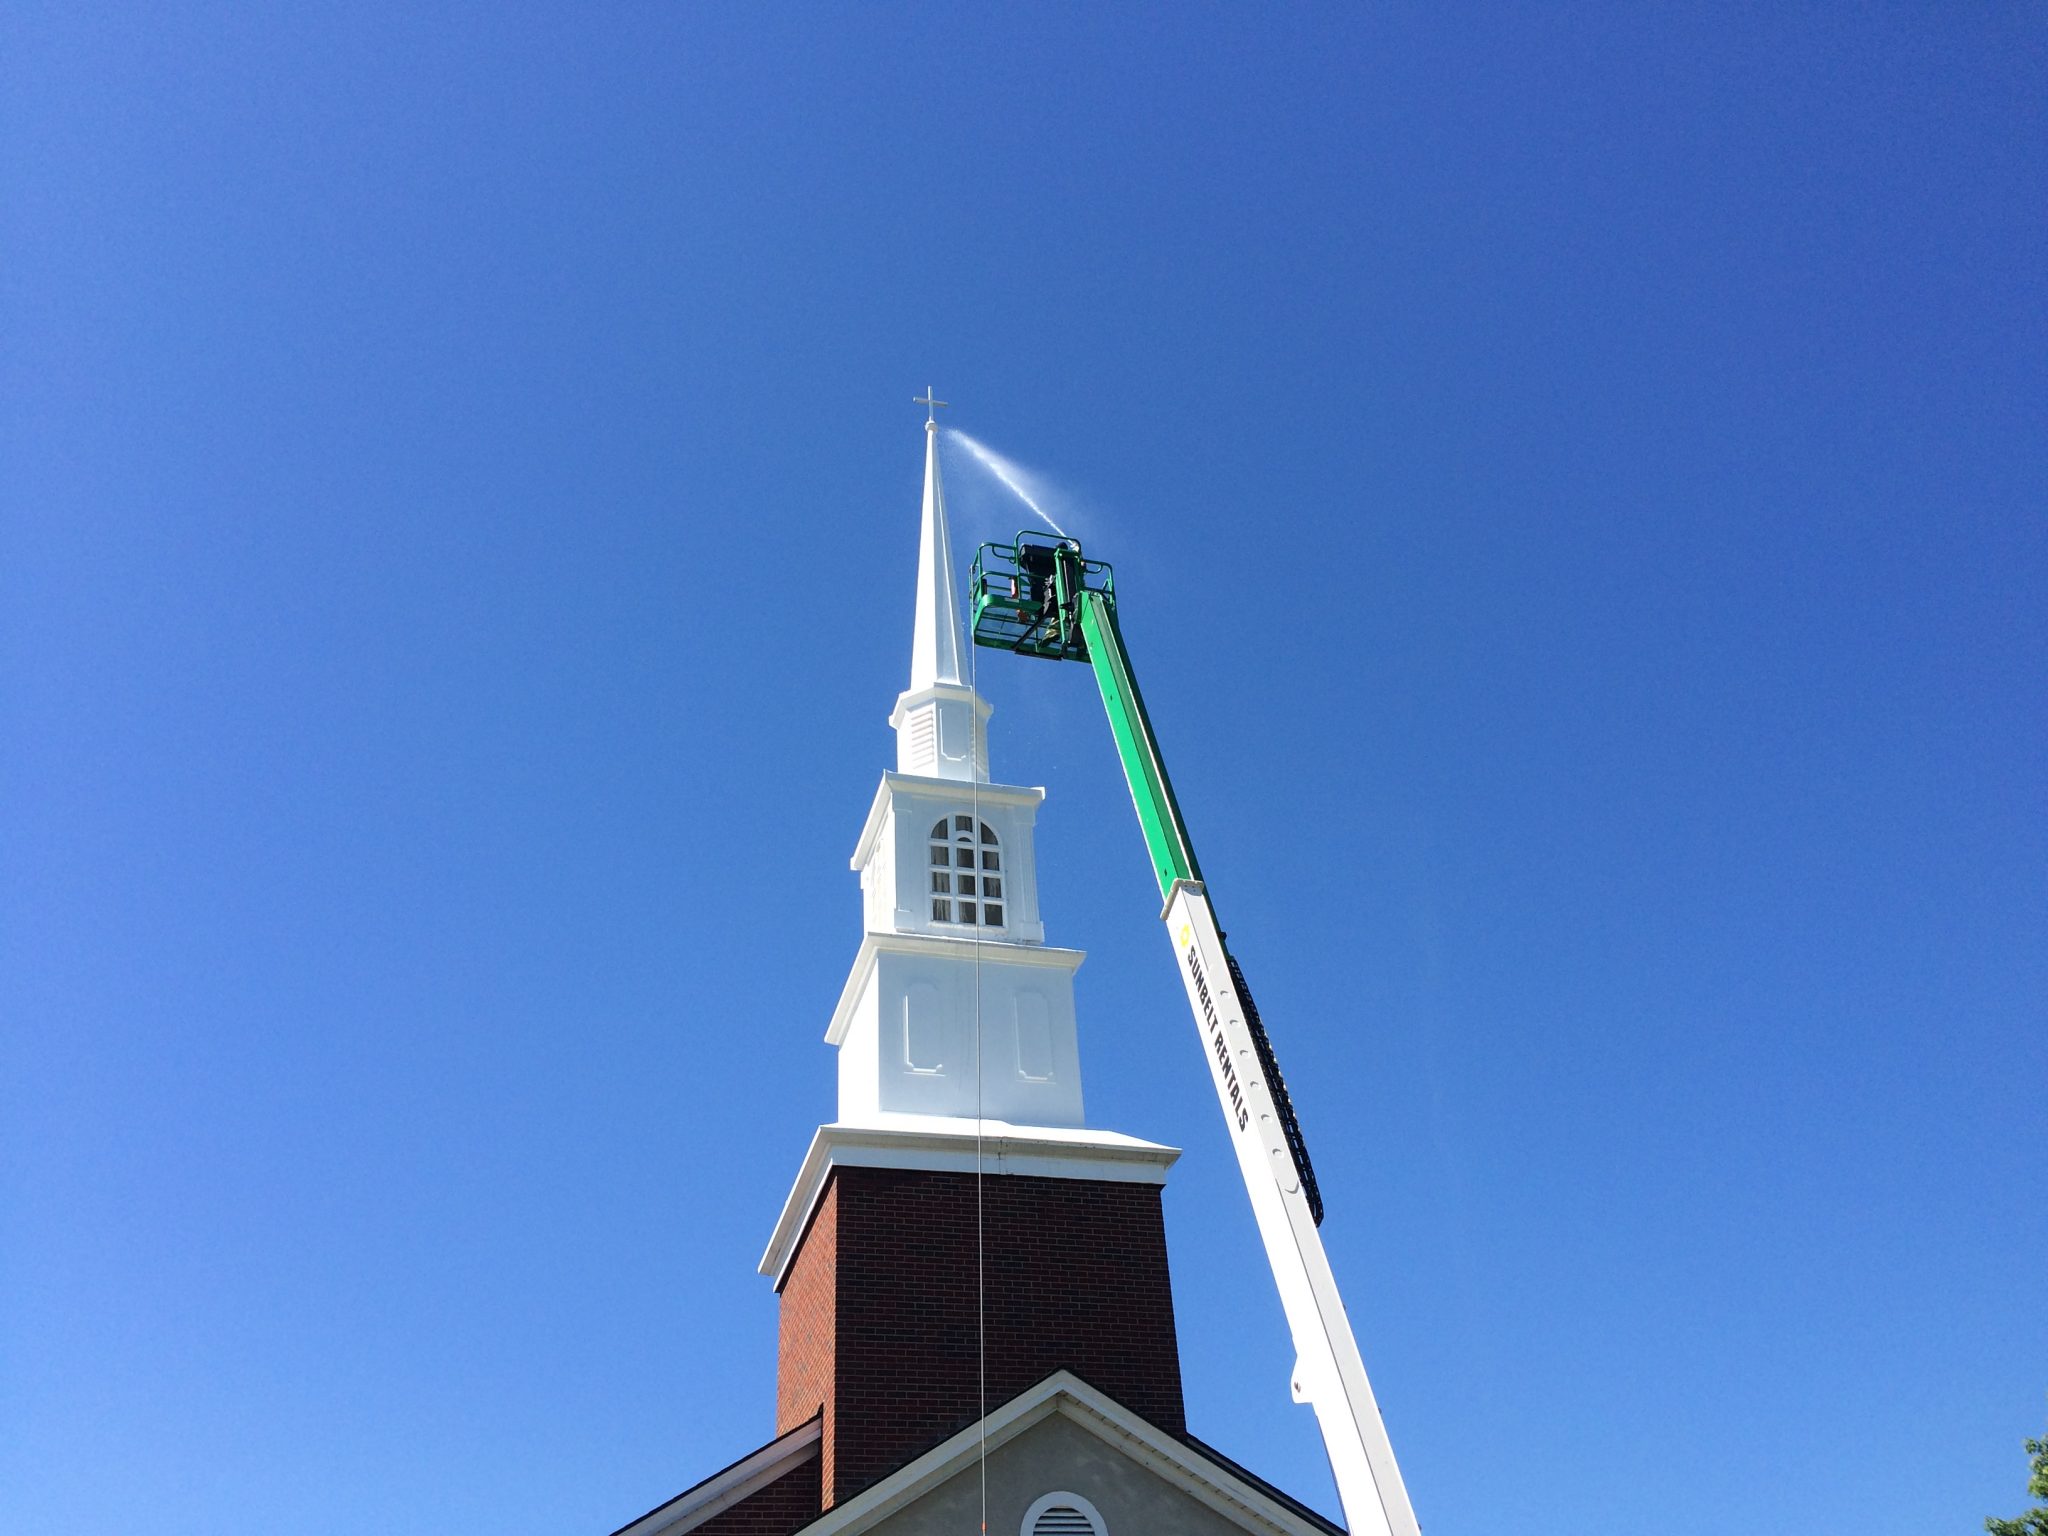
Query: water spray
(1006,472)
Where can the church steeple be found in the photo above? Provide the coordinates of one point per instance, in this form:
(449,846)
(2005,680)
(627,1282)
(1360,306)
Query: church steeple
(960,1148)
(966,1273)
(936,644)
(940,721)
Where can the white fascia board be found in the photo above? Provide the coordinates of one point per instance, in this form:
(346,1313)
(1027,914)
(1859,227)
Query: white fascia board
(992,952)
(1065,1394)
(1176,1462)
(946,1145)
(719,1492)
(932,789)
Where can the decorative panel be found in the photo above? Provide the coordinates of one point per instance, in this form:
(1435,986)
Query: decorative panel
(924,1028)
(1034,1037)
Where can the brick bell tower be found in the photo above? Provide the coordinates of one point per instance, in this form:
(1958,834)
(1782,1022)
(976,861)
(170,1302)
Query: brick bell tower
(957,1212)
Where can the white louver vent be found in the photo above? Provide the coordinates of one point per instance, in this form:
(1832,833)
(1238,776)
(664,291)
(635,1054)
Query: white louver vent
(1063,1514)
(924,740)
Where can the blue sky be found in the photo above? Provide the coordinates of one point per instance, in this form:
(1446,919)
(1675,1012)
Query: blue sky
(1577,487)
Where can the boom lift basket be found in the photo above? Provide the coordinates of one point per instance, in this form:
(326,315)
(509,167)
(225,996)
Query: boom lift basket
(1025,595)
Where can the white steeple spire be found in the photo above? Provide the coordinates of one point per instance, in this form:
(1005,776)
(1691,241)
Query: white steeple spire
(958,1047)
(957,1006)
(937,644)
(940,721)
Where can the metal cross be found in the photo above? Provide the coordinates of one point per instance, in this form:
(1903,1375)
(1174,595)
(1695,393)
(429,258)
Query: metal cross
(928,402)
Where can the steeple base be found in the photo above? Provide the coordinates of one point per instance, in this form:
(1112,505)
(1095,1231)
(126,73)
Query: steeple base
(905,1282)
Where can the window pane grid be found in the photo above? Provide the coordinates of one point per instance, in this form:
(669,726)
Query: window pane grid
(958,846)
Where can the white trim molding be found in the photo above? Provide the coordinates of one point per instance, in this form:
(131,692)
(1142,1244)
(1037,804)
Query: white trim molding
(1172,1461)
(922,787)
(944,946)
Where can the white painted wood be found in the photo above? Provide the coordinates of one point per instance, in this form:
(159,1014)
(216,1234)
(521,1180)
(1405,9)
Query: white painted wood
(927,1027)
(892,854)
(938,645)
(941,725)
(954,1006)
(942,733)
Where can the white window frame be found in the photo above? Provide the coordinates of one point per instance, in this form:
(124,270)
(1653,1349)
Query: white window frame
(983,855)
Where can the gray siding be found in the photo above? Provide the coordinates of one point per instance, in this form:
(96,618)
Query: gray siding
(1059,1454)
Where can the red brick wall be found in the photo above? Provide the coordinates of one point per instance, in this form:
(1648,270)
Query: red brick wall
(806,1323)
(1076,1279)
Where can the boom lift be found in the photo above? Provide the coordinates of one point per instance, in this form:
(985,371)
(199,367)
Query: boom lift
(1041,597)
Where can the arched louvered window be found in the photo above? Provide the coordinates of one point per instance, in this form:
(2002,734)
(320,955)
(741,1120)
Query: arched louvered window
(967,872)
(1063,1514)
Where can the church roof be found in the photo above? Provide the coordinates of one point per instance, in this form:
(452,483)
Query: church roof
(778,1467)
(1061,1433)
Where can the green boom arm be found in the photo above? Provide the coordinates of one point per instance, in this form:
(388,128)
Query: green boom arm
(1040,597)
(1166,834)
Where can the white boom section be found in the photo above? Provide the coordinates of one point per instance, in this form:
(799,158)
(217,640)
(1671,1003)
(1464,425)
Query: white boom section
(1328,1374)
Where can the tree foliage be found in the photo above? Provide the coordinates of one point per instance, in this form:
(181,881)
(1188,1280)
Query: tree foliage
(2035,1521)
